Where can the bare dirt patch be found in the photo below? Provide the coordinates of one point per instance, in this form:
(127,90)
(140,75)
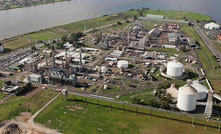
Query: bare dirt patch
(24,125)
(74,108)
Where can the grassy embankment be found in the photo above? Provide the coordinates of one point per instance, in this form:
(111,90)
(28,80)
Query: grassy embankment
(69,117)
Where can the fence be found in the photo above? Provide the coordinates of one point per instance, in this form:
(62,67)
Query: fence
(146,110)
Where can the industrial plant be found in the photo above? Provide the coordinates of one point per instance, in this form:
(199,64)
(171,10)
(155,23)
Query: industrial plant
(151,60)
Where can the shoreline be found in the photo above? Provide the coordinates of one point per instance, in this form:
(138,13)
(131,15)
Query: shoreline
(36,4)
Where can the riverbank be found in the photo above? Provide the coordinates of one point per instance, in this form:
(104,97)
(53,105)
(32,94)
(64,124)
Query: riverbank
(30,4)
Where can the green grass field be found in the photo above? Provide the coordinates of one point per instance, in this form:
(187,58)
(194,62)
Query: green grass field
(1,83)
(16,42)
(33,104)
(179,14)
(127,97)
(1,95)
(42,35)
(111,89)
(6,108)
(13,97)
(69,117)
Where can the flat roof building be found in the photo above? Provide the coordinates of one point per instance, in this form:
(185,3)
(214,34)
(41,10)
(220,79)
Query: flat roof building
(34,78)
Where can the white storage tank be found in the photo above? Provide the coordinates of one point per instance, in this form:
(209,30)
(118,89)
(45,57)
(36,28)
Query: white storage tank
(201,90)
(174,68)
(122,64)
(187,96)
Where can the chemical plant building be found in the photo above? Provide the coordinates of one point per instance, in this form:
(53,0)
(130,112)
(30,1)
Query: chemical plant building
(34,78)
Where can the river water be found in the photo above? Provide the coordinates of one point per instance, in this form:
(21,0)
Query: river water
(23,20)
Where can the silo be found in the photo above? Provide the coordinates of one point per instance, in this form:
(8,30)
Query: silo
(187,97)
(174,68)
(201,90)
(122,63)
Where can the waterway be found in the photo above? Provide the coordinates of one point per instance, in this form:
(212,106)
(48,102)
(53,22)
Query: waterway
(23,20)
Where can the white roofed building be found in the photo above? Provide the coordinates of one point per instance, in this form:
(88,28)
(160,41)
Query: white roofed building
(212,26)
(34,78)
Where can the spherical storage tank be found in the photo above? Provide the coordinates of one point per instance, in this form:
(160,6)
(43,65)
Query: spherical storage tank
(122,64)
(174,68)
(201,90)
(187,98)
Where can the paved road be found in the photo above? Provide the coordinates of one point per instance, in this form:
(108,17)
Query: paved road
(207,41)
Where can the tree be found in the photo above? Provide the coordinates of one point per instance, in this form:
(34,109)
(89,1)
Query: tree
(33,48)
(164,105)
(135,17)
(8,82)
(136,100)
(119,23)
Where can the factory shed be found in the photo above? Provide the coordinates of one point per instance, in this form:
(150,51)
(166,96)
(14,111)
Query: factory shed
(154,33)
(173,91)
(191,41)
(173,36)
(155,16)
(34,78)
(212,26)
(201,90)
(148,55)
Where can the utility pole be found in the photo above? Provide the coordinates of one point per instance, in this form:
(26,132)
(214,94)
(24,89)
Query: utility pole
(94,24)
(85,28)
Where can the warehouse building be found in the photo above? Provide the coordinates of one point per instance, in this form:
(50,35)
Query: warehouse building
(212,26)
(34,78)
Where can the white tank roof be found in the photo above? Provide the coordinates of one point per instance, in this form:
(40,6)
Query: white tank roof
(122,63)
(188,89)
(175,64)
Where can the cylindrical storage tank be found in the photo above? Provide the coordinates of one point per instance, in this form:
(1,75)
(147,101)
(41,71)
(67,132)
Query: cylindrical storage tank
(174,68)
(122,63)
(104,70)
(187,98)
(105,86)
(201,90)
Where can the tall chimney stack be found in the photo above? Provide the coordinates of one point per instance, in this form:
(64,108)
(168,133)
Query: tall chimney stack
(53,57)
(46,58)
(80,62)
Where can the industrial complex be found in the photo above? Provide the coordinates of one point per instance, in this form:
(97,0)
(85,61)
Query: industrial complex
(149,53)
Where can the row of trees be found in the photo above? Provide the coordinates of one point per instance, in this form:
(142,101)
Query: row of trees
(28,87)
